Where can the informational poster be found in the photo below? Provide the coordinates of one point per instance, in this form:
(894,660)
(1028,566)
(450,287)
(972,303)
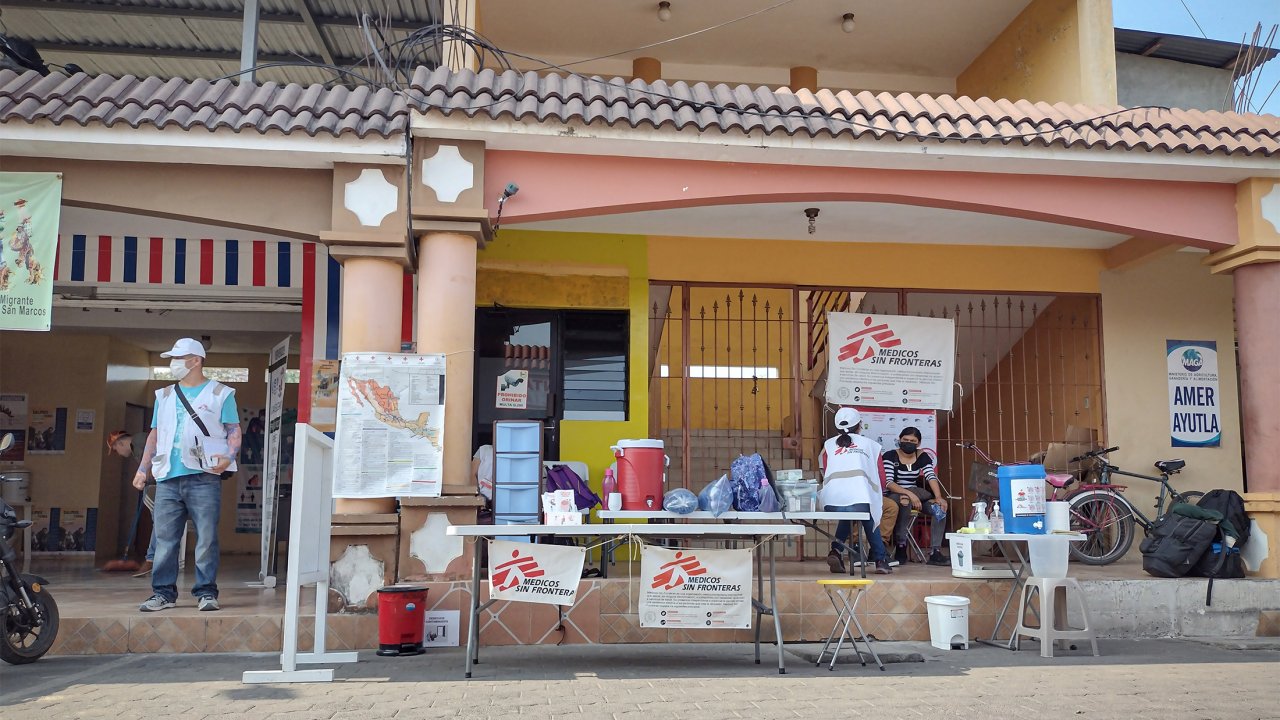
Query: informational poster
(513,390)
(13,419)
(961,553)
(695,588)
(324,395)
(249,499)
(30,206)
(893,361)
(524,572)
(86,420)
(47,432)
(1028,497)
(390,434)
(884,426)
(277,365)
(440,628)
(1195,413)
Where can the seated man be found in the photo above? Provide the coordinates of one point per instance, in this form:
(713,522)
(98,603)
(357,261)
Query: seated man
(907,470)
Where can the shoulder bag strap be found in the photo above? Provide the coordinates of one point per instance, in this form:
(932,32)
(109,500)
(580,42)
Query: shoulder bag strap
(190,411)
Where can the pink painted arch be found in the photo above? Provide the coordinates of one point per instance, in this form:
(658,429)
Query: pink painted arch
(559,186)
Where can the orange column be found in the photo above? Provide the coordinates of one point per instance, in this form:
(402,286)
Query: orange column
(447,326)
(804,77)
(647,69)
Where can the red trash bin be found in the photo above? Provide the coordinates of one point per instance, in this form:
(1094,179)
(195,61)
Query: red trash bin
(401,610)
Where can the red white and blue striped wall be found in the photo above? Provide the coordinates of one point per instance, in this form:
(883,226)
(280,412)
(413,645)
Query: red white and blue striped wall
(215,265)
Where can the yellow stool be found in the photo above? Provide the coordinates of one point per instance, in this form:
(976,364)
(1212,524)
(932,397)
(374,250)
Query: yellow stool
(846,615)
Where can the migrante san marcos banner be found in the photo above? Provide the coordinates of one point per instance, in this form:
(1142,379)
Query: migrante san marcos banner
(30,205)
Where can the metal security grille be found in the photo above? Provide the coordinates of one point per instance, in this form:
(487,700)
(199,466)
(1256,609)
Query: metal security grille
(743,369)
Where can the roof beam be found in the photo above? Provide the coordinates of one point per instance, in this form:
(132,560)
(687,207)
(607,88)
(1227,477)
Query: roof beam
(1136,251)
(171,13)
(313,29)
(1152,46)
(231,56)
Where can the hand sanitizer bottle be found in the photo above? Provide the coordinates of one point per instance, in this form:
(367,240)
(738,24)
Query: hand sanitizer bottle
(997,520)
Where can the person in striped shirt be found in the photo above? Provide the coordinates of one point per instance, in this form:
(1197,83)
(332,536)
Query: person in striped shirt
(912,484)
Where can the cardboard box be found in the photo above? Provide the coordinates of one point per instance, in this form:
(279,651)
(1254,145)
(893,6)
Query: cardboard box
(1078,441)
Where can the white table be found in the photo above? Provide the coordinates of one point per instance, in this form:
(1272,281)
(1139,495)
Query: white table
(761,534)
(1010,545)
(807,519)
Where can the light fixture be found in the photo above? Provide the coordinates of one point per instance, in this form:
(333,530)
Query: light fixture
(664,11)
(848,23)
(812,214)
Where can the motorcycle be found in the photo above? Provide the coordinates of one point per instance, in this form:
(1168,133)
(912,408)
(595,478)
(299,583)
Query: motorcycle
(28,614)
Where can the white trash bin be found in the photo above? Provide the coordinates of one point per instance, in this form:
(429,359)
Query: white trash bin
(948,621)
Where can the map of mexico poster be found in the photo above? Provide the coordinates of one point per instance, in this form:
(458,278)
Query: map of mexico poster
(390,433)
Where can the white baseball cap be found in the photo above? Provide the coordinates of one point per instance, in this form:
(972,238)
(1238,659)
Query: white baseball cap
(183,348)
(847,418)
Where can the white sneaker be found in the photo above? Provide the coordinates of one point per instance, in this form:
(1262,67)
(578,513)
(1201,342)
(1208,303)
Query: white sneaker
(208,603)
(156,603)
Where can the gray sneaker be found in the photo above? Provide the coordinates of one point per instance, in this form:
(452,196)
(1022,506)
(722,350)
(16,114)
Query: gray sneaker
(156,603)
(208,603)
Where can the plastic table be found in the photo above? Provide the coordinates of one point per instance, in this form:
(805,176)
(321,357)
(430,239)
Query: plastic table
(807,519)
(1011,549)
(762,535)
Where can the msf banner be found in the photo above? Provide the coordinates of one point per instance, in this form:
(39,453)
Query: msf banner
(891,361)
(695,588)
(29,211)
(525,572)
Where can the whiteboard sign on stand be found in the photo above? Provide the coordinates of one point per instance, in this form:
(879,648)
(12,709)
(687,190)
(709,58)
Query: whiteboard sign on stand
(308,562)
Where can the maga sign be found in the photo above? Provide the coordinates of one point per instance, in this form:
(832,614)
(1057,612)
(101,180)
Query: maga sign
(1195,418)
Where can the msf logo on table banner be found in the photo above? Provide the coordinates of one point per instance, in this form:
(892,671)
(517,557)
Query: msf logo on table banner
(535,573)
(674,574)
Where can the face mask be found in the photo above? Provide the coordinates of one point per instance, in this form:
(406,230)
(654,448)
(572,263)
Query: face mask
(179,369)
(907,447)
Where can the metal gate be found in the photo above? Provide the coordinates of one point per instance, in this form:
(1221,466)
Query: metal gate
(742,369)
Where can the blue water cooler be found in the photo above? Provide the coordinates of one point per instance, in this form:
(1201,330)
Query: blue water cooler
(1022,498)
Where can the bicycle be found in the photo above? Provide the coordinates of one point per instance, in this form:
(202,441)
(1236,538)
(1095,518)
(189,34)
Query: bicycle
(1102,513)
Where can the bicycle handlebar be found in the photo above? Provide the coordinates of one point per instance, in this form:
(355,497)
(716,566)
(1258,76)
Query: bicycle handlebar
(1094,454)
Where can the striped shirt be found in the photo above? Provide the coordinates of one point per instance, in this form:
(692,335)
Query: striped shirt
(909,476)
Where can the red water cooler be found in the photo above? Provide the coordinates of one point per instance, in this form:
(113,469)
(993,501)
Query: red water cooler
(642,471)
(401,610)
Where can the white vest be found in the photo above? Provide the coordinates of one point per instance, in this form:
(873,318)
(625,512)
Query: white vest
(852,475)
(208,406)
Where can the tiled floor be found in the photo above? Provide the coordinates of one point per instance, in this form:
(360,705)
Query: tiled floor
(100,616)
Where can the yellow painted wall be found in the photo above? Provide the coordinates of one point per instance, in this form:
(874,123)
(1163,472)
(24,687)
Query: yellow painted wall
(578,270)
(1054,51)
(1170,297)
(940,267)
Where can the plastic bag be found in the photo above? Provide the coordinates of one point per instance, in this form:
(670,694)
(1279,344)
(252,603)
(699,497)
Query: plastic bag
(717,497)
(768,498)
(746,473)
(680,501)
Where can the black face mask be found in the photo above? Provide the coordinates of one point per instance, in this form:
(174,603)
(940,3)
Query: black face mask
(907,447)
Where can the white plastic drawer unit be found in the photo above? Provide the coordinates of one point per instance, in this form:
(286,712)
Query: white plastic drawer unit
(517,437)
(517,470)
(522,500)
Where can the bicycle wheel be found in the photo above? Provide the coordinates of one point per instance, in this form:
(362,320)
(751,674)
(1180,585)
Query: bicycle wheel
(1107,524)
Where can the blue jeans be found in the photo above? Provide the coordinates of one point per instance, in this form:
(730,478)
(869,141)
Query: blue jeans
(844,529)
(198,497)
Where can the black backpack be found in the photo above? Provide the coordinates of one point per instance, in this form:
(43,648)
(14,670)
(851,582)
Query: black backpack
(1176,544)
(1231,505)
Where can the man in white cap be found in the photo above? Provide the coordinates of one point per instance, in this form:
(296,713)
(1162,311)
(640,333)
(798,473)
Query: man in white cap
(851,483)
(194,440)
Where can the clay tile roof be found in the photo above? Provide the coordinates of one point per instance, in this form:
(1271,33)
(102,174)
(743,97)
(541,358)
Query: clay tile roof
(104,100)
(922,118)
(530,97)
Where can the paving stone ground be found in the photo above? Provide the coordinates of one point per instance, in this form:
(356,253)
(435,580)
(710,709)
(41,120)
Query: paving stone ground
(1133,679)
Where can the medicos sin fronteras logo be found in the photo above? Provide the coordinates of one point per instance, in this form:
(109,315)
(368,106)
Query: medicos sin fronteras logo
(514,571)
(1192,360)
(677,572)
(864,344)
